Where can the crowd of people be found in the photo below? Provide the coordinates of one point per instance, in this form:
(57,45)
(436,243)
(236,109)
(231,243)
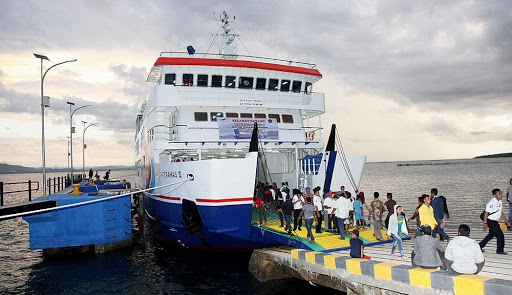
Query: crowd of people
(342,213)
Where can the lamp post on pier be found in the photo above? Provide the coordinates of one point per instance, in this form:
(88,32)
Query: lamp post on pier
(83,145)
(72,130)
(45,102)
(69,141)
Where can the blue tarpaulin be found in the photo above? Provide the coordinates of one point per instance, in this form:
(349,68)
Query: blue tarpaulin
(312,161)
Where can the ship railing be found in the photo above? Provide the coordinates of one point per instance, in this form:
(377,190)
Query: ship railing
(238,57)
(274,91)
(166,132)
(309,167)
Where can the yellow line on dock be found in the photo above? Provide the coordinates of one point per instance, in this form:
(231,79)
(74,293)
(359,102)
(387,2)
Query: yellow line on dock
(383,270)
(470,284)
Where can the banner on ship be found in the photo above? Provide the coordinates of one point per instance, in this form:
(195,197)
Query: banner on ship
(241,128)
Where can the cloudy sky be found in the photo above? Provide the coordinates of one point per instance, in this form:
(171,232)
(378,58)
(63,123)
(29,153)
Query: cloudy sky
(404,80)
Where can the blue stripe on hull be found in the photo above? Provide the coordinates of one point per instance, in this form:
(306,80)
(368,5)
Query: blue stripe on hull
(225,227)
(330,170)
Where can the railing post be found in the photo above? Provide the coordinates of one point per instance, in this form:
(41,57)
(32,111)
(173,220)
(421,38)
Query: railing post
(29,190)
(54,183)
(1,193)
(49,186)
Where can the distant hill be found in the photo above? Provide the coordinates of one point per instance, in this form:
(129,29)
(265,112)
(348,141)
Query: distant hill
(503,155)
(11,169)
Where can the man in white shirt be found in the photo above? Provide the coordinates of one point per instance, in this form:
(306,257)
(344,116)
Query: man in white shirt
(319,205)
(493,213)
(297,202)
(341,211)
(328,206)
(463,255)
(509,197)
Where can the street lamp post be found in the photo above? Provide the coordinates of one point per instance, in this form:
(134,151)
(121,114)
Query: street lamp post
(43,105)
(83,144)
(71,131)
(69,141)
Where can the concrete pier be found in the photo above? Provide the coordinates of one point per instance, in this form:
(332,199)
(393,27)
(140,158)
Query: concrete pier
(384,274)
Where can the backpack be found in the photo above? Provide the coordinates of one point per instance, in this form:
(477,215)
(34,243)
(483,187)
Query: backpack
(286,190)
(483,212)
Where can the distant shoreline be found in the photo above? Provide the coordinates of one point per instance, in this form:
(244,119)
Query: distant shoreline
(502,155)
(18,169)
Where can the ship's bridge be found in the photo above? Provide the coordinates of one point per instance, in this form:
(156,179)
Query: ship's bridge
(245,82)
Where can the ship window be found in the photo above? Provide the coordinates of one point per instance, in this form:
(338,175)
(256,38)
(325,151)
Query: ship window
(214,115)
(296,86)
(246,82)
(260,83)
(285,85)
(275,116)
(309,87)
(188,79)
(230,82)
(216,81)
(231,115)
(287,119)
(260,116)
(273,84)
(202,80)
(245,115)
(201,116)
(170,79)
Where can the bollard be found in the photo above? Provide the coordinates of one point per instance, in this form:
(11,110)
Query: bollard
(30,190)
(1,193)
(76,190)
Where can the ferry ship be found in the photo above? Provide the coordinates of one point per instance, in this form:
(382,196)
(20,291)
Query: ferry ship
(193,137)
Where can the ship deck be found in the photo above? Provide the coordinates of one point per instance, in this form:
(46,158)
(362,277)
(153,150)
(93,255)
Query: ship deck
(325,241)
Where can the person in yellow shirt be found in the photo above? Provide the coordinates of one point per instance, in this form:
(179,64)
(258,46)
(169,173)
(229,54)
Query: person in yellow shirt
(426,213)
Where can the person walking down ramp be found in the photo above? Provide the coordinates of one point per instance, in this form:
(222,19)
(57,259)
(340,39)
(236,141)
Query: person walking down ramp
(397,225)
(390,204)
(376,209)
(493,213)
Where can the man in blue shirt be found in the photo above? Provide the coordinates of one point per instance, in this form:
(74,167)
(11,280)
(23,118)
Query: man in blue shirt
(438,206)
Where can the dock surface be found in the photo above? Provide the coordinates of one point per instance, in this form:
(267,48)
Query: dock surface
(384,274)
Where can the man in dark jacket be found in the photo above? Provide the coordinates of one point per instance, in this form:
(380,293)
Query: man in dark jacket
(287,209)
(390,206)
(438,206)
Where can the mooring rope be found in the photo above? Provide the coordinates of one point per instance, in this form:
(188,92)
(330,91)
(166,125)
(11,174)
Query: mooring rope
(86,202)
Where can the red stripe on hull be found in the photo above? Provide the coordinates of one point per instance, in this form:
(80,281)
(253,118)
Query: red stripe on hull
(169,198)
(223,200)
(185,61)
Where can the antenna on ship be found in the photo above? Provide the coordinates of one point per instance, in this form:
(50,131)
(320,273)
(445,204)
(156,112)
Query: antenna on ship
(226,48)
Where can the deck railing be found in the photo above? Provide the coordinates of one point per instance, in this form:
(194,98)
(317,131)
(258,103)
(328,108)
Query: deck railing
(29,189)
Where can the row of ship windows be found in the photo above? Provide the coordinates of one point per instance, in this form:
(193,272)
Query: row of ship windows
(243,83)
(203,116)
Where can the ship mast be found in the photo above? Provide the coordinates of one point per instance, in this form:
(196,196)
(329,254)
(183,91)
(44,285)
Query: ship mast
(227,48)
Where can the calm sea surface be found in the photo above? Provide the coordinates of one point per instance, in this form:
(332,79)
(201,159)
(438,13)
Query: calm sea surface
(162,269)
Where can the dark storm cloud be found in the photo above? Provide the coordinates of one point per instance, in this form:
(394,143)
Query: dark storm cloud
(133,78)
(111,114)
(448,56)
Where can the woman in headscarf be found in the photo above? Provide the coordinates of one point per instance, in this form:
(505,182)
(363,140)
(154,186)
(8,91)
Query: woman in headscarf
(397,225)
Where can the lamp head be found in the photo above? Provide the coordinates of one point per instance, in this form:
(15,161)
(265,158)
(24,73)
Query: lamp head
(41,56)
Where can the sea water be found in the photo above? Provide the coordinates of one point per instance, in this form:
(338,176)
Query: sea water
(158,268)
